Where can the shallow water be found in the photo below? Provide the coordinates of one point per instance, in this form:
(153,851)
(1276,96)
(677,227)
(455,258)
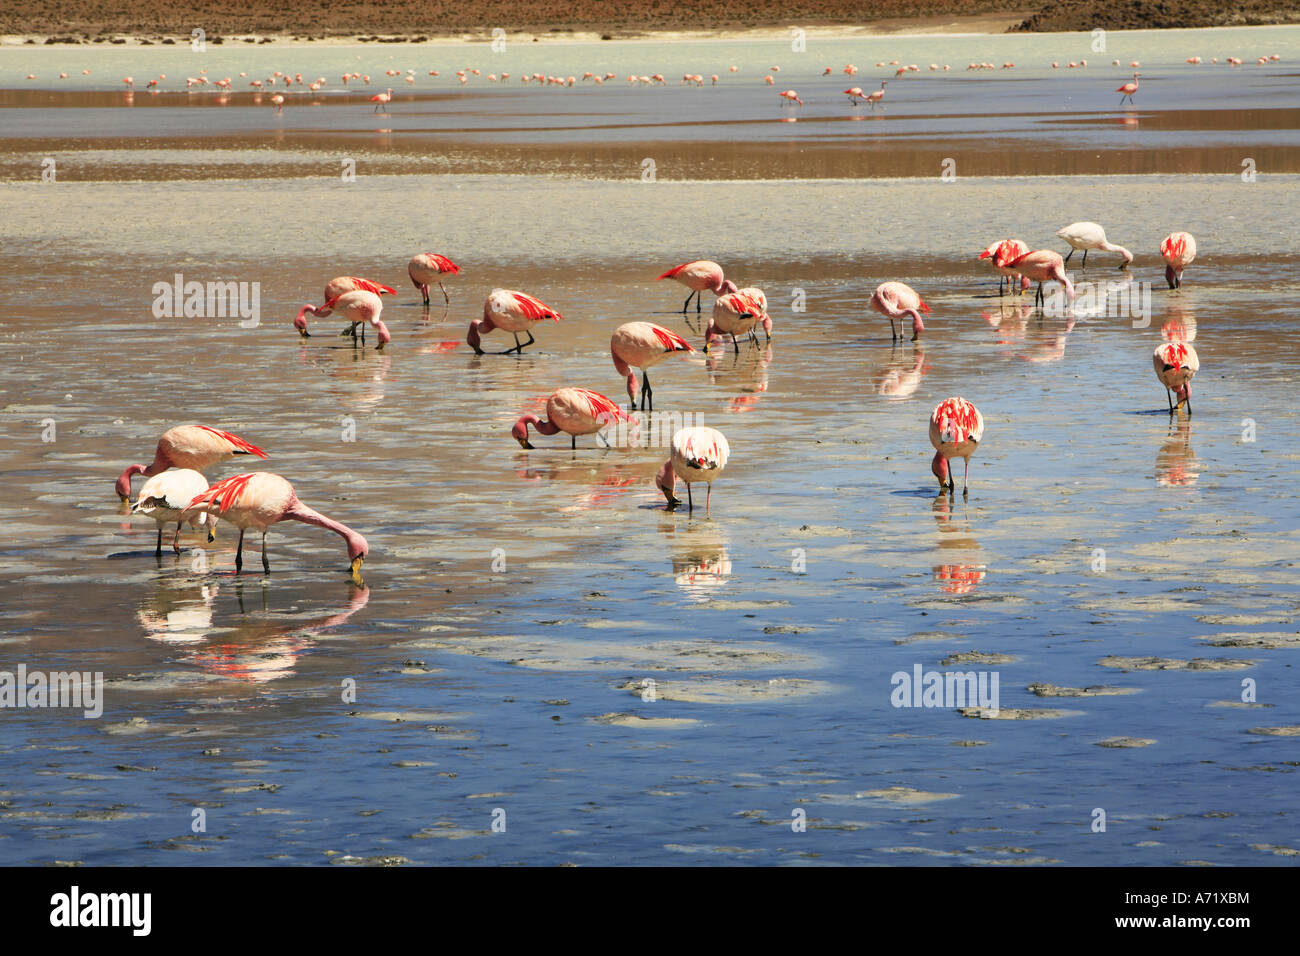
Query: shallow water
(771,628)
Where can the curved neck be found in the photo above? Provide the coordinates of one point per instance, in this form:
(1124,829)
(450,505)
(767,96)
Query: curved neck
(300,512)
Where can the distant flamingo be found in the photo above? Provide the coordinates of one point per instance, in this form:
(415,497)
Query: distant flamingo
(854,93)
(1128,89)
(574,411)
(642,345)
(956,427)
(698,276)
(789,98)
(1178,250)
(1176,363)
(512,312)
(896,300)
(1090,235)
(333,289)
(1003,252)
(877,95)
(358,307)
(163,497)
(261,499)
(381,100)
(1040,266)
(736,313)
(698,454)
(427,268)
(278,102)
(187,446)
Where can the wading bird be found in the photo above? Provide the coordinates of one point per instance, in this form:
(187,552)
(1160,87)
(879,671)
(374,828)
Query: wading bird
(897,300)
(427,268)
(698,276)
(1176,363)
(698,454)
(642,345)
(956,427)
(381,100)
(261,499)
(358,307)
(1128,89)
(333,289)
(512,312)
(738,313)
(1089,235)
(187,446)
(1178,250)
(164,497)
(574,411)
(1003,252)
(1039,266)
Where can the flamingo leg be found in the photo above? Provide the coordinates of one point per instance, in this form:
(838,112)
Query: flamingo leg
(1072,252)
(965,478)
(734,343)
(690,502)
(1170,399)
(518,347)
(424,289)
(266,564)
(239,553)
(893,335)
(530,341)
(158,549)
(708,496)
(445,296)
(687,302)
(176,541)
(1085,258)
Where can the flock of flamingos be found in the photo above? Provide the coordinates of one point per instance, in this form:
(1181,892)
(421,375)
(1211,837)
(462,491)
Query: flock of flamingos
(176,490)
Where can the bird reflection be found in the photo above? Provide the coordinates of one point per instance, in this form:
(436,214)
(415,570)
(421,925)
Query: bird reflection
(352,367)
(1047,344)
(955,533)
(901,377)
(745,372)
(1009,321)
(597,483)
(1180,324)
(701,564)
(1176,464)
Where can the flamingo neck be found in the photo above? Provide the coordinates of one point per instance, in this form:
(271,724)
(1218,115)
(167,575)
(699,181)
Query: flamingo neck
(123,485)
(297,511)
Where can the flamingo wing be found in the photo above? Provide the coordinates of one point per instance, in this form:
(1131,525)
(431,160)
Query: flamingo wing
(672,342)
(221,495)
(602,407)
(243,447)
(534,309)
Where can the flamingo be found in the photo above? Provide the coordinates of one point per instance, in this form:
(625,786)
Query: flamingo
(335,288)
(1089,235)
(698,453)
(1002,252)
(574,411)
(261,499)
(737,313)
(956,427)
(854,93)
(1178,250)
(1176,363)
(164,496)
(697,276)
(895,300)
(641,345)
(512,312)
(381,100)
(789,97)
(1128,89)
(187,446)
(358,307)
(875,96)
(1039,266)
(278,102)
(429,267)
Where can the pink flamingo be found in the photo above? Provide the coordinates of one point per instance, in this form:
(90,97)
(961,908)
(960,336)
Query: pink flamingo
(1176,363)
(1041,265)
(698,454)
(642,345)
(163,497)
(197,447)
(1128,89)
(333,289)
(1178,250)
(358,307)
(261,499)
(854,93)
(956,427)
(698,276)
(509,311)
(896,300)
(381,99)
(428,267)
(278,102)
(789,97)
(877,95)
(737,313)
(1003,252)
(574,411)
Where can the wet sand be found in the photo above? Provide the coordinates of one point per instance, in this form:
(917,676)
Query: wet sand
(635,685)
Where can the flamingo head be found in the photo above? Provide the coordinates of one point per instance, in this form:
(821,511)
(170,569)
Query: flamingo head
(727,287)
(123,486)
(1171,276)
(917,325)
(472,338)
(666,482)
(384,336)
(939,466)
(520,432)
(300,323)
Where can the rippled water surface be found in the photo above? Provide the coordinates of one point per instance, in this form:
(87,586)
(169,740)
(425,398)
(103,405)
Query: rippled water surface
(518,603)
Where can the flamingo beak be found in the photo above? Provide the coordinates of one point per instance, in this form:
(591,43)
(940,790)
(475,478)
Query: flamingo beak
(356,572)
(525,443)
(304,333)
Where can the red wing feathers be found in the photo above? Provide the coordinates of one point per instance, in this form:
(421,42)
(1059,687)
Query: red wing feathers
(243,446)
